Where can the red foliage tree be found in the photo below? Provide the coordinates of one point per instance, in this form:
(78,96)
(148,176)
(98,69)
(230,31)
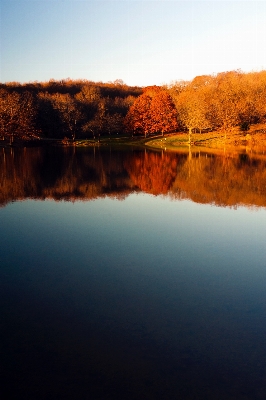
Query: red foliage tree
(152,112)
(163,113)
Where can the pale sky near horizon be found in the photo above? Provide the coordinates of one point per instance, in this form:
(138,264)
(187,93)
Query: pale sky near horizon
(142,42)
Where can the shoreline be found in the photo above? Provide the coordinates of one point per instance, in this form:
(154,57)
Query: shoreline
(253,140)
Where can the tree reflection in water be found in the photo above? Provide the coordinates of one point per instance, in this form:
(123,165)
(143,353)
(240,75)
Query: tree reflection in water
(149,298)
(85,174)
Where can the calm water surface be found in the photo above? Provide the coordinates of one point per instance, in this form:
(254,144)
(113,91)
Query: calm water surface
(132,275)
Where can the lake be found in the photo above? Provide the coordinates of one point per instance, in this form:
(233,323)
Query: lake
(132,274)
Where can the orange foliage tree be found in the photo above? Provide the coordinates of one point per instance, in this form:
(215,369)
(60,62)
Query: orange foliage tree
(221,102)
(152,112)
(17,113)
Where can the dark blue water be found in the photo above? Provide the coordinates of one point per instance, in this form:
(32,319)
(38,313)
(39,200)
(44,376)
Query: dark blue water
(143,297)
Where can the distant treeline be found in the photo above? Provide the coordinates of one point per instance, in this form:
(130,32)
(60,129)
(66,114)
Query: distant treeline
(66,108)
(84,109)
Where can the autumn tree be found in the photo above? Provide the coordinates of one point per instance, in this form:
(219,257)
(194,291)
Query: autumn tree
(48,118)
(113,123)
(217,102)
(152,112)
(88,99)
(100,114)
(163,113)
(17,115)
(138,117)
(252,105)
(225,99)
(88,95)
(64,108)
(191,108)
(69,113)
(97,123)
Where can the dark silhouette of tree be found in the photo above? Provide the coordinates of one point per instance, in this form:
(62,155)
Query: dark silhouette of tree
(69,113)
(48,118)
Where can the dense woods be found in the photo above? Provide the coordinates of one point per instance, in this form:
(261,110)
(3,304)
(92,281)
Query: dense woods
(84,109)
(222,101)
(64,109)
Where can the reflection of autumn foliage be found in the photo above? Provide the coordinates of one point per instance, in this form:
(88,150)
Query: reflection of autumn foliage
(85,174)
(152,172)
(222,180)
(17,178)
(62,174)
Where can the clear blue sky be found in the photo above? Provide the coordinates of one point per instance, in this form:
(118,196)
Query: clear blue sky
(142,42)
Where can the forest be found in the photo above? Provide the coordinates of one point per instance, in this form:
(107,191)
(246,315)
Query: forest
(81,109)
(63,109)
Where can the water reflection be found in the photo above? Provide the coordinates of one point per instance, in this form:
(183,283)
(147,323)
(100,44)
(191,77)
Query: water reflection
(86,174)
(145,298)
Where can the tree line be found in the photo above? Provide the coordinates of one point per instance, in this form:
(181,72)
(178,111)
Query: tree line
(207,103)
(64,109)
(83,109)
(220,102)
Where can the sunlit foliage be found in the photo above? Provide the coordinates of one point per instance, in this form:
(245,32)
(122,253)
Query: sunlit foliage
(222,101)
(76,109)
(152,112)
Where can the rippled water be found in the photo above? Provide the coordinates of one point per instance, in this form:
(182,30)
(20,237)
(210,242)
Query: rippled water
(132,275)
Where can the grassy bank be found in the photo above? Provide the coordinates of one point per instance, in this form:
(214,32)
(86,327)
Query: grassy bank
(252,140)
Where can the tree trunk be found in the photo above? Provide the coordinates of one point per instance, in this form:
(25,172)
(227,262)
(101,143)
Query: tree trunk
(189,135)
